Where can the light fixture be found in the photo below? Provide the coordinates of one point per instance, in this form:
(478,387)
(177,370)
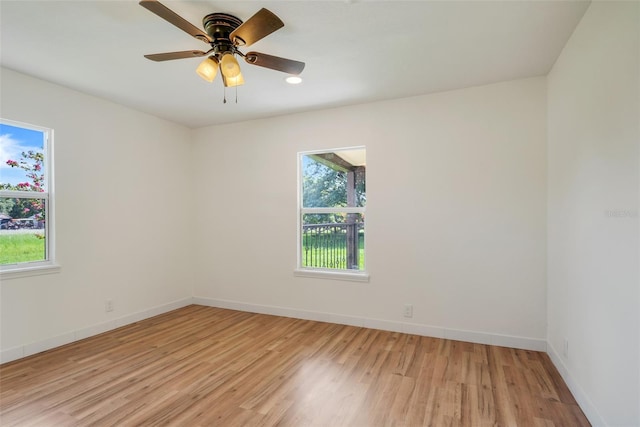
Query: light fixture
(233,81)
(293,80)
(208,69)
(229,66)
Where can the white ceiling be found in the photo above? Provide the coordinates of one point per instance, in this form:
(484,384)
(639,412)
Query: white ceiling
(355,51)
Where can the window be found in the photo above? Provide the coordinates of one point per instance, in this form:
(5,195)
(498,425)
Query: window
(331,213)
(25,197)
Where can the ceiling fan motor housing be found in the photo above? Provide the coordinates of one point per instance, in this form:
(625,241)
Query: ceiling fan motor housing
(219,27)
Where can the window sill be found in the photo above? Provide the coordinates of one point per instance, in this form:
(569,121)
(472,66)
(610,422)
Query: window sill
(10,272)
(334,275)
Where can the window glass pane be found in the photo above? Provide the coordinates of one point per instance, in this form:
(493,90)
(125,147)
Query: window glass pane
(334,179)
(333,241)
(22,230)
(22,165)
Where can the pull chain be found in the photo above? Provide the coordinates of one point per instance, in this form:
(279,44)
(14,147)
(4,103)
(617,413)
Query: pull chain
(224,96)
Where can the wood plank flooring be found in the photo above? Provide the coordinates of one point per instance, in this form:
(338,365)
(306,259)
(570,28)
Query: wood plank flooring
(203,366)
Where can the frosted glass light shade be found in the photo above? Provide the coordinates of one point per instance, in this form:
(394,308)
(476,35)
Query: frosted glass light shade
(208,69)
(233,81)
(229,65)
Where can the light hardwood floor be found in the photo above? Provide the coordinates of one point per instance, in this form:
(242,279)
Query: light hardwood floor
(203,366)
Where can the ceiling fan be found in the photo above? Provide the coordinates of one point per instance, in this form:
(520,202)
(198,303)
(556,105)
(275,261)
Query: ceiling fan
(224,33)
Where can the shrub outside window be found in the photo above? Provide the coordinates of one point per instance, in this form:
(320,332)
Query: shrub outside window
(332,203)
(25,197)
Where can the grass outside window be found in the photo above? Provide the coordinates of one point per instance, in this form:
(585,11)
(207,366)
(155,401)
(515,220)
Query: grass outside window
(21,247)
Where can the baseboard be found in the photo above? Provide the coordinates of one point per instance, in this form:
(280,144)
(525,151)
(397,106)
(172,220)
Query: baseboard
(387,325)
(581,397)
(26,350)
(524,343)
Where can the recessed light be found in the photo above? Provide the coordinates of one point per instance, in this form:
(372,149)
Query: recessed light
(293,80)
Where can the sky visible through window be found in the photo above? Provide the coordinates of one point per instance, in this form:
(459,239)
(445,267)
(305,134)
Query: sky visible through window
(13,141)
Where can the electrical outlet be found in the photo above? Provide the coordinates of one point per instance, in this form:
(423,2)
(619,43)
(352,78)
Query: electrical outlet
(408,310)
(565,348)
(108,305)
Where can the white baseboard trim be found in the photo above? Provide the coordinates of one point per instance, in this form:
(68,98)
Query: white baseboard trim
(26,350)
(387,325)
(581,397)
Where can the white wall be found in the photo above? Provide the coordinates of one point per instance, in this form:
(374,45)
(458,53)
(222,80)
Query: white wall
(593,281)
(120,190)
(456,213)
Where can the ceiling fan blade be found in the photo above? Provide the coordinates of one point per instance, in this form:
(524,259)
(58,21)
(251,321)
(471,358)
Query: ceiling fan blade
(173,18)
(274,62)
(260,25)
(175,55)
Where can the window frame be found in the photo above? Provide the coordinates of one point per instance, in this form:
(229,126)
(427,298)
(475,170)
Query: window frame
(320,272)
(49,264)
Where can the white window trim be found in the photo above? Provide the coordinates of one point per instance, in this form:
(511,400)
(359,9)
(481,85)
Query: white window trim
(16,271)
(48,266)
(326,273)
(315,272)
